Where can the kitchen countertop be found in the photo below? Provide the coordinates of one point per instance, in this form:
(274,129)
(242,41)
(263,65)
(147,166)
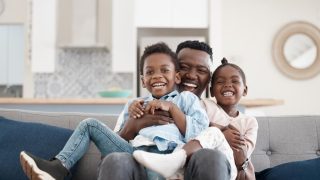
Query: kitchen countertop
(118,101)
(63,101)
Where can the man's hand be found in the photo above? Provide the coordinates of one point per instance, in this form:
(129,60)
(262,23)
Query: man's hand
(133,126)
(234,138)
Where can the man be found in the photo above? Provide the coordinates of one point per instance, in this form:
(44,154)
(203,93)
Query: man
(195,60)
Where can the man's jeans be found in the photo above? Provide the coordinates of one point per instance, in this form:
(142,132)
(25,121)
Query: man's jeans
(205,164)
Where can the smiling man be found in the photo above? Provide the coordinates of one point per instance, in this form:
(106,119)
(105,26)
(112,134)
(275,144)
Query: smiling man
(195,61)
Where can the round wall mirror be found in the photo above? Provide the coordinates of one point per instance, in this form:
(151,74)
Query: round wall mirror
(296,50)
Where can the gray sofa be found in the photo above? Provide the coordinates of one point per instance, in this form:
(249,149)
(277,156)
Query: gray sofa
(280,139)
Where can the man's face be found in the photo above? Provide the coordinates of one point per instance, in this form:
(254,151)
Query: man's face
(159,75)
(194,70)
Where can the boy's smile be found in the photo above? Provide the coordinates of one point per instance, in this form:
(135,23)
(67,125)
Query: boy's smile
(159,75)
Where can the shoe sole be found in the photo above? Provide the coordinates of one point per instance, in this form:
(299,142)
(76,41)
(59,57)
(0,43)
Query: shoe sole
(31,169)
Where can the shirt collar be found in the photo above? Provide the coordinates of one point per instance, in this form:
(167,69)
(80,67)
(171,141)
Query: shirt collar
(165,97)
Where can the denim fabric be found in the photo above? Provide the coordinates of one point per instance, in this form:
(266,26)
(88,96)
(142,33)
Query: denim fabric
(207,164)
(122,166)
(164,136)
(104,138)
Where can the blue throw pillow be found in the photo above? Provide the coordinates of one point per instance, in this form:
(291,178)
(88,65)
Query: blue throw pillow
(298,170)
(39,139)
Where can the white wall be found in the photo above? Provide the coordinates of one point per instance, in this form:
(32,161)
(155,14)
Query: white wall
(248,29)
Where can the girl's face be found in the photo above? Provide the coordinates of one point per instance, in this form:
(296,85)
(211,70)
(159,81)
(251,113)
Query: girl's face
(159,75)
(228,87)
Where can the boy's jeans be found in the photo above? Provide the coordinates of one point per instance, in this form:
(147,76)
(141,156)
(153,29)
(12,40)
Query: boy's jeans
(104,138)
(88,130)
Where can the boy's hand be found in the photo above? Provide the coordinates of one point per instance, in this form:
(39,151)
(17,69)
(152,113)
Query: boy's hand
(234,138)
(157,105)
(136,108)
(133,126)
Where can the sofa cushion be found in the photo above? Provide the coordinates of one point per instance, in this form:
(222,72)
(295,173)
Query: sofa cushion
(39,139)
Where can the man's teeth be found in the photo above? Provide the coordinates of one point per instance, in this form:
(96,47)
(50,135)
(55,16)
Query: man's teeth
(190,85)
(228,93)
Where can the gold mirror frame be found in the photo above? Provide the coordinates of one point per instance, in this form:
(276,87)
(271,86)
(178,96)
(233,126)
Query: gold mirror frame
(278,50)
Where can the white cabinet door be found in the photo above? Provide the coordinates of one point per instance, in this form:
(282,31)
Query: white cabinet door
(171,13)
(153,13)
(11,54)
(43,36)
(16,55)
(190,13)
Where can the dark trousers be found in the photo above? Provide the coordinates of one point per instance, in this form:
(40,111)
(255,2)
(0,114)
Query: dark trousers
(205,164)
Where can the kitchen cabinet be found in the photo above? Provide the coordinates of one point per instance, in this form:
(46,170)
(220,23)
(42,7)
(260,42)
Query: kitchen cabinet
(11,54)
(43,36)
(171,13)
(84,23)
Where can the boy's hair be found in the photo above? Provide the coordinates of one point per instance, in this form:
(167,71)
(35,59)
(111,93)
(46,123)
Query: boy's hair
(202,46)
(224,62)
(159,47)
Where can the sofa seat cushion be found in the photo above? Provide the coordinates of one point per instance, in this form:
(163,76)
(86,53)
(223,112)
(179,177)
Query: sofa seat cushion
(39,139)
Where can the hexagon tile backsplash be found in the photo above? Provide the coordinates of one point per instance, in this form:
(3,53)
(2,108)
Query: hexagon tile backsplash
(80,73)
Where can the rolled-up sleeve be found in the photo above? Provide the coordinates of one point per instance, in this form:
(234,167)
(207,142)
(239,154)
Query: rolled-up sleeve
(196,117)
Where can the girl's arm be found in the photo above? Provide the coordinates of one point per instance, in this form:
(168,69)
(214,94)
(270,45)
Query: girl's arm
(250,136)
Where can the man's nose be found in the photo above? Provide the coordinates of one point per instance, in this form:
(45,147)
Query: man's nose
(192,74)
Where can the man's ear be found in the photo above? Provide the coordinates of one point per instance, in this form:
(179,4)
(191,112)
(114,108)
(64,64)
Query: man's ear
(178,78)
(142,81)
(245,91)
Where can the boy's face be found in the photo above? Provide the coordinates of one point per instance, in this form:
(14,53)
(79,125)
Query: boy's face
(228,87)
(194,70)
(159,75)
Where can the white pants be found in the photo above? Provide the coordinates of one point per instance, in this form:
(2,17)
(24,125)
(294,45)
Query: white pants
(213,138)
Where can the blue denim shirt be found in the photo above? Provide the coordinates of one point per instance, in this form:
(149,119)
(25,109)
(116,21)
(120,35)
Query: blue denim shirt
(167,137)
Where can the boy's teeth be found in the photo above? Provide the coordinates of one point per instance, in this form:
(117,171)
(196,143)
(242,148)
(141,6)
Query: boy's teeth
(189,84)
(227,93)
(158,84)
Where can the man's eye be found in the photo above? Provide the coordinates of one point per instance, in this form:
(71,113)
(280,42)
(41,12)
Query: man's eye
(184,68)
(203,71)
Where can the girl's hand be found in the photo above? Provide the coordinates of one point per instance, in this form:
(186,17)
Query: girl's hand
(157,105)
(234,138)
(136,108)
